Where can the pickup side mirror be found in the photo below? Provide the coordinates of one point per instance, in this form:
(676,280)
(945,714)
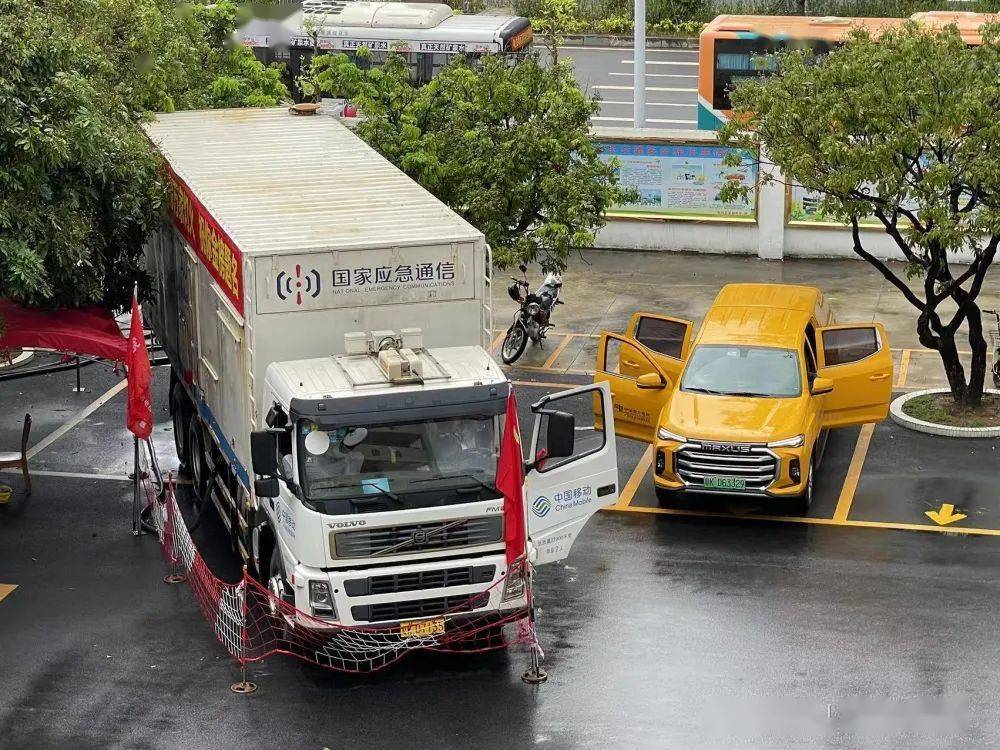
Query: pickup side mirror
(560,434)
(650,381)
(820,386)
(267,487)
(264,454)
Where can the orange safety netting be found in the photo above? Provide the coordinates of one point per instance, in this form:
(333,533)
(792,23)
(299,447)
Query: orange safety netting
(252,623)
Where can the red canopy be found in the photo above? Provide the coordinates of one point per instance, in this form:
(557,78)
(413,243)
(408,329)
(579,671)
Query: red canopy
(85,330)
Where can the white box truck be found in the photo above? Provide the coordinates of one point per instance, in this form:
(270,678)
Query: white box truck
(327,323)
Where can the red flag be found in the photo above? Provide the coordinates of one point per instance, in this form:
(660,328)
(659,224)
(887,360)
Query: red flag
(139,416)
(510,481)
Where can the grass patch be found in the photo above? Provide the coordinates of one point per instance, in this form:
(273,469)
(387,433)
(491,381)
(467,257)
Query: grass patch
(940,408)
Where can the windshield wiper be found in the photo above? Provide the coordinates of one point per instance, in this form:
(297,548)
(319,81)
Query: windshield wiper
(695,389)
(473,477)
(358,500)
(748,394)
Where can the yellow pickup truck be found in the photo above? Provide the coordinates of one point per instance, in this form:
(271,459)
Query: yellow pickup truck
(745,409)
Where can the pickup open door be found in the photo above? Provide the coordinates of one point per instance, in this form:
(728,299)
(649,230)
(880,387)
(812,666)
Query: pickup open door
(562,493)
(857,359)
(638,398)
(667,340)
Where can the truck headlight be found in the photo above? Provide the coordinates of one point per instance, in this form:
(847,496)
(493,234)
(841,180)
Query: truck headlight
(321,600)
(665,434)
(513,587)
(793,442)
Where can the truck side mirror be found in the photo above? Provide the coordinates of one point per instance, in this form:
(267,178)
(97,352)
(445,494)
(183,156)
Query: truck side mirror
(560,435)
(264,454)
(820,386)
(267,487)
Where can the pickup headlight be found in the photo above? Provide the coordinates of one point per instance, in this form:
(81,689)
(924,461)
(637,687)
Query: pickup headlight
(321,600)
(793,442)
(513,587)
(664,434)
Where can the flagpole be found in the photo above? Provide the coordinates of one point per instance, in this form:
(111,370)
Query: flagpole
(135,490)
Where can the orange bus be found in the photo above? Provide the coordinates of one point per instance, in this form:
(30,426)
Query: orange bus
(732,48)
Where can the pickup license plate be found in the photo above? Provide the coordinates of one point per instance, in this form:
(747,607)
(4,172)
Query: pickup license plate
(422,628)
(725,483)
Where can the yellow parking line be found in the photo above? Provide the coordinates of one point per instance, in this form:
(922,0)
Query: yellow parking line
(536,368)
(546,384)
(556,352)
(904,365)
(6,589)
(810,521)
(496,341)
(638,474)
(854,473)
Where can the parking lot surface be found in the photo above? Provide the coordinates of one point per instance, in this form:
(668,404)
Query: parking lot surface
(717,623)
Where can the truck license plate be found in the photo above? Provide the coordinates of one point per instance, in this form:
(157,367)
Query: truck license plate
(422,628)
(726,483)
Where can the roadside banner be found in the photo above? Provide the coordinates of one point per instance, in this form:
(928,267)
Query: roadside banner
(139,414)
(510,481)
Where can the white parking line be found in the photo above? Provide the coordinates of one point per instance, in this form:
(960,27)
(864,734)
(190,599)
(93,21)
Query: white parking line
(72,475)
(73,421)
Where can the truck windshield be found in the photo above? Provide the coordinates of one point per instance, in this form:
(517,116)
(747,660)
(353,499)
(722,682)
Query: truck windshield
(743,371)
(393,459)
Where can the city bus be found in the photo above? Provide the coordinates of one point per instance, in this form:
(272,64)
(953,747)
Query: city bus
(428,35)
(732,48)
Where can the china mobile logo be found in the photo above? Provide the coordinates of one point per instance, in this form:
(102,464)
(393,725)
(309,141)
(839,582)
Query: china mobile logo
(288,285)
(541,506)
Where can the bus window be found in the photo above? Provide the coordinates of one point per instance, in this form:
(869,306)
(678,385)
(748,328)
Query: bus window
(737,59)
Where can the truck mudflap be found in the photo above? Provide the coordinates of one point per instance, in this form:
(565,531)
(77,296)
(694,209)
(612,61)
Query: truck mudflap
(562,494)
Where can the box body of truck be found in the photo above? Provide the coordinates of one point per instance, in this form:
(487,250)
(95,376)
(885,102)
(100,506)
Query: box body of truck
(285,234)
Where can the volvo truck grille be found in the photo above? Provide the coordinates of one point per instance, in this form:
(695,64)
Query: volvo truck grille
(420,580)
(754,464)
(411,610)
(423,537)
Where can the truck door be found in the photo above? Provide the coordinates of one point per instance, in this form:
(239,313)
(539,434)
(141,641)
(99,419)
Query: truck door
(638,398)
(563,493)
(857,359)
(667,340)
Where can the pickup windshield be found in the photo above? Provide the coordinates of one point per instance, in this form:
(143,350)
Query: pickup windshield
(390,460)
(752,371)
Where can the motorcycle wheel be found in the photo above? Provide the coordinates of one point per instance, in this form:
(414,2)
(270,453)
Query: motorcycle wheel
(513,344)
(996,374)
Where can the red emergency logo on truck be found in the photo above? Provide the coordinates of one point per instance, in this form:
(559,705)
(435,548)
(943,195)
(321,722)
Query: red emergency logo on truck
(287,285)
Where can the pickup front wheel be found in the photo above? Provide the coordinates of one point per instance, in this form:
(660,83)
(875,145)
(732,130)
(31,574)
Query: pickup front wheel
(804,501)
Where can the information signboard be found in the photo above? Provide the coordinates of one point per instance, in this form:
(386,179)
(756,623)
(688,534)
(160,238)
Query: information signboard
(682,180)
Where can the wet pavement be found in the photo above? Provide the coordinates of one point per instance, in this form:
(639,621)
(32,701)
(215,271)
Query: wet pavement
(710,625)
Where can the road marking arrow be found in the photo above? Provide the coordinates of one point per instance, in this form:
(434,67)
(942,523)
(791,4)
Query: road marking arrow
(945,516)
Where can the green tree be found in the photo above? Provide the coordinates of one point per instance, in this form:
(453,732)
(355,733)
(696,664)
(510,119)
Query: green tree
(906,129)
(80,184)
(508,147)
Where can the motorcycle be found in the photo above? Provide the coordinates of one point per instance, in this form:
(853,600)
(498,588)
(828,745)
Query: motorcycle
(532,320)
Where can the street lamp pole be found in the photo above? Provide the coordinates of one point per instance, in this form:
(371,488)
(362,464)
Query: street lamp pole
(639,66)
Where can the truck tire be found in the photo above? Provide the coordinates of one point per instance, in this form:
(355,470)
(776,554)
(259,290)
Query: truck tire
(180,413)
(197,462)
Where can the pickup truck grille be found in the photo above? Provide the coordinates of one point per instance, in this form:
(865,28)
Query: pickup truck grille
(421,537)
(420,580)
(753,463)
(412,610)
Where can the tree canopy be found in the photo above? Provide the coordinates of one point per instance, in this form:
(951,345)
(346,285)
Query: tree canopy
(80,187)
(508,147)
(903,128)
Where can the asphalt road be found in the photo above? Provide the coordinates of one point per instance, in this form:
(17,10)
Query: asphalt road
(660,631)
(671,85)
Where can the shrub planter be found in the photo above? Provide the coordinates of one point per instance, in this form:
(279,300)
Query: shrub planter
(930,428)
(17,358)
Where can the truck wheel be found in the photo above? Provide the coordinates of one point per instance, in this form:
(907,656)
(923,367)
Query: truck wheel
(196,455)
(180,414)
(277,582)
(804,501)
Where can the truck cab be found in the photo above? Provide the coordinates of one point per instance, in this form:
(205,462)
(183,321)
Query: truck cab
(746,407)
(378,476)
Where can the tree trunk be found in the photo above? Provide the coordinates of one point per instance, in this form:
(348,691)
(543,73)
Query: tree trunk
(977,371)
(952,366)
